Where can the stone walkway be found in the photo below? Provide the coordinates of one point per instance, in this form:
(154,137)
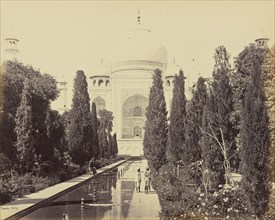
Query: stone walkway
(144,206)
(38,199)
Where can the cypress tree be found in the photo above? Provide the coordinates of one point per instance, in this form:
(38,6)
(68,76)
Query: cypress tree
(80,130)
(255,144)
(105,129)
(211,153)
(194,121)
(103,142)
(115,149)
(176,146)
(95,130)
(55,132)
(156,126)
(42,89)
(219,134)
(24,131)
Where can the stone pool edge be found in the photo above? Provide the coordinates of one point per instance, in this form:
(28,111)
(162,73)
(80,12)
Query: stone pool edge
(59,190)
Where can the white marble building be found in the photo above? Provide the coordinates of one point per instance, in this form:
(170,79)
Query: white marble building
(123,85)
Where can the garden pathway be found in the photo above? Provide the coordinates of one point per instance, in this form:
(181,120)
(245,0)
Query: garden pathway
(144,206)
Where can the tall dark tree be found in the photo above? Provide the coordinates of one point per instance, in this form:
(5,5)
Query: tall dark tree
(194,121)
(103,142)
(114,145)
(55,133)
(218,133)
(80,130)
(156,126)
(66,121)
(177,146)
(268,68)
(211,153)
(43,90)
(24,131)
(105,129)
(255,144)
(240,78)
(95,131)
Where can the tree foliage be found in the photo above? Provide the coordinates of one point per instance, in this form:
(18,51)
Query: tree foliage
(177,147)
(105,129)
(114,145)
(264,56)
(80,130)
(42,88)
(217,120)
(268,69)
(241,76)
(95,127)
(55,132)
(24,131)
(156,126)
(255,143)
(194,121)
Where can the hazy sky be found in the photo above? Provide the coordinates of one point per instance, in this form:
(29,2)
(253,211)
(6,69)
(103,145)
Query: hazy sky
(60,37)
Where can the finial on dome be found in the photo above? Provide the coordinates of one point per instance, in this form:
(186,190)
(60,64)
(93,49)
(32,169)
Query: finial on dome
(138,17)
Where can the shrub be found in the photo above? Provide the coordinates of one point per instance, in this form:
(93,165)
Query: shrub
(177,197)
(226,202)
(5,195)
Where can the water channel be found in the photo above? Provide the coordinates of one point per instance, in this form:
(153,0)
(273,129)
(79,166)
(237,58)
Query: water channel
(107,196)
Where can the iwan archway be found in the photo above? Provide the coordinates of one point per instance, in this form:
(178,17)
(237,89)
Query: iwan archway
(133,122)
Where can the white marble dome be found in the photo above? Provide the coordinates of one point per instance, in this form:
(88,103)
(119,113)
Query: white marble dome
(139,45)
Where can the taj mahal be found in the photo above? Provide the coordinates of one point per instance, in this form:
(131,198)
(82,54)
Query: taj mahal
(123,85)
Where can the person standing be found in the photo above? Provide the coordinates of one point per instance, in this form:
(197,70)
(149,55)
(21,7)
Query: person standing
(138,180)
(90,166)
(147,177)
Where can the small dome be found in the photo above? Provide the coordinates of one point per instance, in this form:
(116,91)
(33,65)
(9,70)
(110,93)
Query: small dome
(140,44)
(101,69)
(172,69)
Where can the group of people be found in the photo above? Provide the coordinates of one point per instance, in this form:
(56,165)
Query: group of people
(147,180)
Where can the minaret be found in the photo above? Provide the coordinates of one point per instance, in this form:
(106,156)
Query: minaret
(138,17)
(63,95)
(262,42)
(11,50)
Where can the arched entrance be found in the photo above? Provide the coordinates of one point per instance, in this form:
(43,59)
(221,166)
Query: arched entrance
(133,117)
(100,103)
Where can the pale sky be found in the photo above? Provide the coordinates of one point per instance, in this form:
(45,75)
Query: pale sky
(60,37)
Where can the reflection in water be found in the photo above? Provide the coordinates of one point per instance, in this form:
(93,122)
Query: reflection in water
(107,196)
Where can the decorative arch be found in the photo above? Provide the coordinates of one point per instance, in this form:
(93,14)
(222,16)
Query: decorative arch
(107,83)
(100,103)
(94,82)
(100,82)
(137,111)
(168,83)
(133,116)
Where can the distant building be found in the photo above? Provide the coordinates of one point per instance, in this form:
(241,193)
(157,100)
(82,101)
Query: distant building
(262,42)
(123,86)
(10,49)
(62,87)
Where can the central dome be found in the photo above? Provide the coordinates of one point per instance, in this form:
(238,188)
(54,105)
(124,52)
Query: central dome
(139,46)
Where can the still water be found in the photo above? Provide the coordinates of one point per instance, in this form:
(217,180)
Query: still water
(107,196)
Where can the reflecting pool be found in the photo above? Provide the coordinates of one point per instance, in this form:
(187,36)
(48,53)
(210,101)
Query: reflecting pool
(107,196)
